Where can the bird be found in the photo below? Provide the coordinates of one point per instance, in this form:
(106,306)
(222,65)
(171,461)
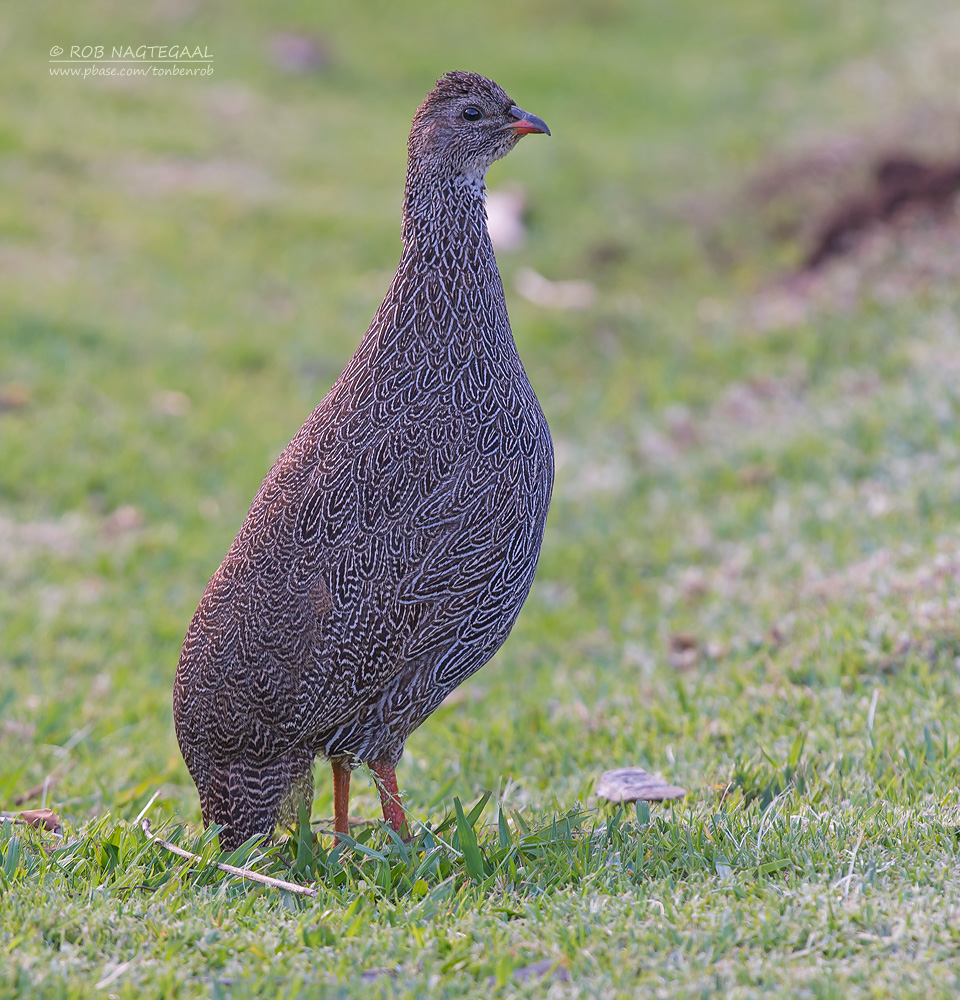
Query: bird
(388,551)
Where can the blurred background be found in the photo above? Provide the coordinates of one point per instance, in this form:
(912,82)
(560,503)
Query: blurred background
(731,276)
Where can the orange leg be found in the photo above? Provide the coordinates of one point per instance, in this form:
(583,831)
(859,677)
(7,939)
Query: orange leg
(390,797)
(341,797)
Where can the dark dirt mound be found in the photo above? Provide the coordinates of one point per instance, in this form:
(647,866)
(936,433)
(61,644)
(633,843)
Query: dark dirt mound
(900,182)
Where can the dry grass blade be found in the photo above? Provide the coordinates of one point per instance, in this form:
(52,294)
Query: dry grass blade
(276,883)
(114,975)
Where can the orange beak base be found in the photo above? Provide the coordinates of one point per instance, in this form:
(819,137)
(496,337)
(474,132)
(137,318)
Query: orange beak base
(526,123)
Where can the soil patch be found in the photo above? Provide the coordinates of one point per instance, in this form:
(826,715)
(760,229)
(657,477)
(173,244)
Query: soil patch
(900,182)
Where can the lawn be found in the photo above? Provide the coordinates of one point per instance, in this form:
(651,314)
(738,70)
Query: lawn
(751,576)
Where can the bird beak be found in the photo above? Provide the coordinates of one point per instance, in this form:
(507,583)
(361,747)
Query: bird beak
(525,123)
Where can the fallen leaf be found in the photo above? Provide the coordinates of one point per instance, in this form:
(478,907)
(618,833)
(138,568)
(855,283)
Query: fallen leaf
(122,521)
(505,218)
(684,651)
(298,54)
(755,475)
(634,784)
(45,819)
(547,969)
(14,396)
(542,291)
(372,975)
(170,403)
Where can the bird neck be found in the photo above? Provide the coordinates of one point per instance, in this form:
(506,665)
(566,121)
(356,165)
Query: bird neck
(447,288)
(444,212)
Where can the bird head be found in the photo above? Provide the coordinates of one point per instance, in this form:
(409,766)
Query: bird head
(466,123)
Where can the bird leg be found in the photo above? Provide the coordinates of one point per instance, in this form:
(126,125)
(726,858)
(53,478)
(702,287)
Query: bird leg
(393,813)
(341,797)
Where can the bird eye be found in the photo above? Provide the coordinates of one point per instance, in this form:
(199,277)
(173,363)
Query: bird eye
(471,114)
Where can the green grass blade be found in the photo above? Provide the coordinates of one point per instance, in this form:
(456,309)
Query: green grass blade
(472,859)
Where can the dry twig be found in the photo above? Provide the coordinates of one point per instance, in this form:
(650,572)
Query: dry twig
(276,883)
(48,782)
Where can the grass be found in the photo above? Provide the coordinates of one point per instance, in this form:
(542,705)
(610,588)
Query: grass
(749,581)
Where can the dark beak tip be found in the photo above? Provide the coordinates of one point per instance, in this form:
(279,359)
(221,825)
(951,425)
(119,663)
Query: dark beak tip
(527,123)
